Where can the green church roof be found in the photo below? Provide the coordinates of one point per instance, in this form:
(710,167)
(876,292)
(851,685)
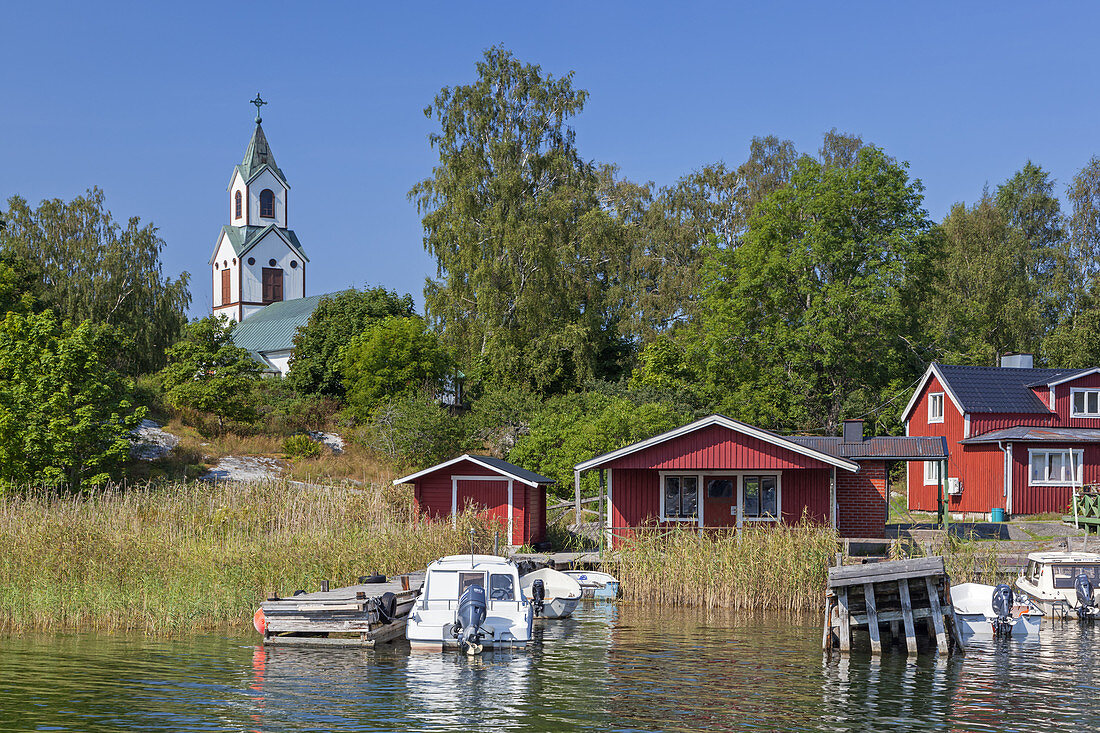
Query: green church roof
(242,239)
(272,328)
(257,155)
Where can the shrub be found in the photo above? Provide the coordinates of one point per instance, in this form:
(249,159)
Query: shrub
(301,446)
(414,429)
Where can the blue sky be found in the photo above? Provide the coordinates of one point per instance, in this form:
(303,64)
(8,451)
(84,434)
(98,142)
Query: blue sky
(149,101)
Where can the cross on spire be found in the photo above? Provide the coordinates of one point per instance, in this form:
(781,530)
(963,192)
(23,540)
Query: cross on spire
(259,103)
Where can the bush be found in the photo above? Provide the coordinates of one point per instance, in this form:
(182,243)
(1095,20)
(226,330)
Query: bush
(415,429)
(301,446)
(285,412)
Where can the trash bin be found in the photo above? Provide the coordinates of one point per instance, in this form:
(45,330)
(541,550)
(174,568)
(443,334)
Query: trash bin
(996,515)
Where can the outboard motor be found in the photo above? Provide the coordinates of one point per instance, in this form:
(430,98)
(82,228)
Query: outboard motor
(471,614)
(538,596)
(1083,586)
(1002,609)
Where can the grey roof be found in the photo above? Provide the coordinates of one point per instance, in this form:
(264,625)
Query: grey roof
(1033,434)
(880,448)
(513,469)
(258,155)
(242,239)
(272,328)
(1000,389)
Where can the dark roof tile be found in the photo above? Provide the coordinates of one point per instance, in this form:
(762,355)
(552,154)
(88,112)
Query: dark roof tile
(999,389)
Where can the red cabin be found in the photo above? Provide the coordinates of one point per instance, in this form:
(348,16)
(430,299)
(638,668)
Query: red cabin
(1020,438)
(719,472)
(513,495)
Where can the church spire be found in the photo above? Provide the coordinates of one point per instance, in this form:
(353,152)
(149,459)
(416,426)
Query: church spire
(258,153)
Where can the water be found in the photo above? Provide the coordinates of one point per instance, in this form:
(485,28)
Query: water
(609,668)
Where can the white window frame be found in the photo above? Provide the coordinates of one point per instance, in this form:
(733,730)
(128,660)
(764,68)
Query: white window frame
(698,496)
(1076,455)
(1073,402)
(932,473)
(935,398)
(741,516)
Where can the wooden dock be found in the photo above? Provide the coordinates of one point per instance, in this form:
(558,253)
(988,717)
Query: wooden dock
(353,615)
(893,597)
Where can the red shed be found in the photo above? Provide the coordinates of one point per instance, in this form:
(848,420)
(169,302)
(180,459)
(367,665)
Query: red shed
(514,495)
(720,472)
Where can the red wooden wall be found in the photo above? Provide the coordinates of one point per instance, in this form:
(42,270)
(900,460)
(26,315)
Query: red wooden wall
(718,448)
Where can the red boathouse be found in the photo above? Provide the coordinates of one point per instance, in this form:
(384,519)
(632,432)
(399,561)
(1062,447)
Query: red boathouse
(719,472)
(513,495)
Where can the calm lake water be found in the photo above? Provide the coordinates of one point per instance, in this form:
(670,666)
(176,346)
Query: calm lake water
(609,668)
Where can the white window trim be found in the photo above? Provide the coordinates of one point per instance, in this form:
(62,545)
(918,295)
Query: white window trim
(1078,462)
(741,517)
(935,479)
(698,497)
(1072,399)
(931,401)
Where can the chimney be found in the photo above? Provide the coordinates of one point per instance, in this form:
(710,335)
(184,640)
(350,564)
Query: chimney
(853,431)
(1017,361)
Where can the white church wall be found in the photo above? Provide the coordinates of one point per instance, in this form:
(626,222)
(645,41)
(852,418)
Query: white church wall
(225,259)
(272,247)
(280,360)
(266,179)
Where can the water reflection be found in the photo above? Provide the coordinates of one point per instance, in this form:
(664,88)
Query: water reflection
(609,668)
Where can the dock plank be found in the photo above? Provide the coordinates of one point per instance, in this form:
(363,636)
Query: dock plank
(881,572)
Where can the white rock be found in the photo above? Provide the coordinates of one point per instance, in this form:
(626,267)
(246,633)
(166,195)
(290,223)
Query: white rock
(244,468)
(150,442)
(332,440)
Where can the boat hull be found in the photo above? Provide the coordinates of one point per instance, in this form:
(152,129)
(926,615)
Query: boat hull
(559,607)
(976,624)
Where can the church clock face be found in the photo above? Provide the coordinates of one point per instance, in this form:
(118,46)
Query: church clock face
(258,260)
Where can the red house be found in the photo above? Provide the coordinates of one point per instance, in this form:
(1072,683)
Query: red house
(719,472)
(513,495)
(1019,438)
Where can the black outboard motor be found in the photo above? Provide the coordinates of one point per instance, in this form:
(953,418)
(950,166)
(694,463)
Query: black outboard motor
(1083,586)
(471,615)
(538,596)
(1002,609)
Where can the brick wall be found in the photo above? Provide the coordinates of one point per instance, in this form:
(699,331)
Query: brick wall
(861,500)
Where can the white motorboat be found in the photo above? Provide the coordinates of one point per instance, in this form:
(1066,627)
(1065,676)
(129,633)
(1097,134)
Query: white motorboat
(470,602)
(558,596)
(986,610)
(1061,583)
(595,584)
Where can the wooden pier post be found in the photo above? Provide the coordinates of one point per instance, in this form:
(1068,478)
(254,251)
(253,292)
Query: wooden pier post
(845,621)
(937,613)
(907,616)
(872,618)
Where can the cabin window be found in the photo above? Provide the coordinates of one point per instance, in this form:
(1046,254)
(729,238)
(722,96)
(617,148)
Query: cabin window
(237,205)
(501,588)
(1086,403)
(1055,467)
(935,407)
(465,580)
(267,204)
(1064,575)
(931,473)
(761,495)
(681,498)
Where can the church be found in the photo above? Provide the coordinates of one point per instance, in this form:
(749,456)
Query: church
(258,268)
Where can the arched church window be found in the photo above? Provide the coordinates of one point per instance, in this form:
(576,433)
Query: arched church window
(267,204)
(237,204)
(215,265)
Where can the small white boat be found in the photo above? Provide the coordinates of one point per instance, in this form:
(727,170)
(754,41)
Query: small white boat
(470,602)
(1063,583)
(986,610)
(558,596)
(595,584)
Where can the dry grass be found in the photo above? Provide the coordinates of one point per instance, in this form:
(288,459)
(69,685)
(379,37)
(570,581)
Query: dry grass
(776,568)
(183,557)
(966,560)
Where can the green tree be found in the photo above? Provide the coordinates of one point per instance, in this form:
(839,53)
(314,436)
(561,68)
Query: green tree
(393,357)
(985,302)
(65,417)
(91,268)
(206,372)
(807,320)
(415,429)
(315,366)
(528,288)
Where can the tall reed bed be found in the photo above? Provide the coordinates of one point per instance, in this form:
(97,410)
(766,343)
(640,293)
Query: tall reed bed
(775,568)
(188,556)
(968,560)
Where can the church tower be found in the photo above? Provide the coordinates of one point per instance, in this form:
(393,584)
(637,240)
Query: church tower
(257,260)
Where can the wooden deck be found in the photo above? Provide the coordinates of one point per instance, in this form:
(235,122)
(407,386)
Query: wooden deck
(894,595)
(346,616)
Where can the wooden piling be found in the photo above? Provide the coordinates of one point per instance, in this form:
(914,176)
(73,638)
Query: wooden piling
(907,616)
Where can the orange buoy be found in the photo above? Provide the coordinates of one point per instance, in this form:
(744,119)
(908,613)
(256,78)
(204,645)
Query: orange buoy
(259,621)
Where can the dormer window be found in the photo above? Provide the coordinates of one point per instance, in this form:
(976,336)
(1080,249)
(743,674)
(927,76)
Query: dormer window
(1086,403)
(267,204)
(935,407)
(237,205)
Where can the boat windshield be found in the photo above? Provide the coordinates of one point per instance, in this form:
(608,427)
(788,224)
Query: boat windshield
(447,585)
(501,588)
(1064,575)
